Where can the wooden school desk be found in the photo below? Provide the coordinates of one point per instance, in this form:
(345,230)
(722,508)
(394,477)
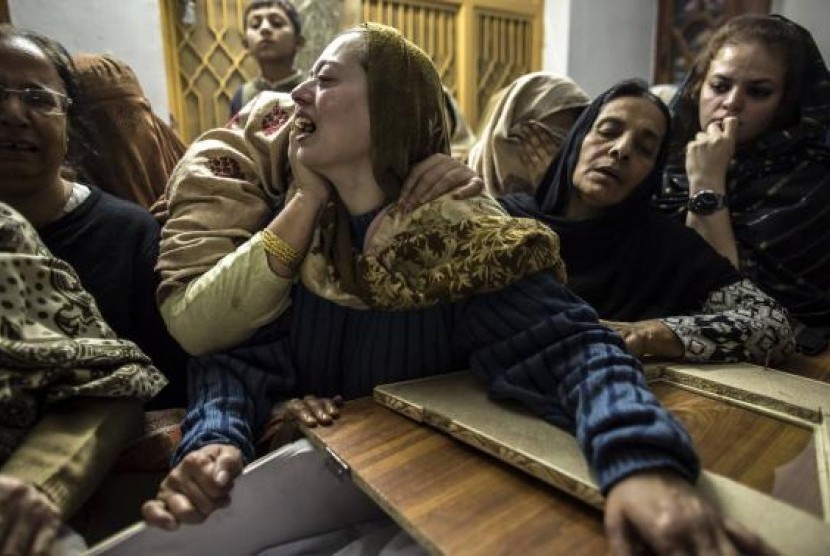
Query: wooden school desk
(452,498)
(760,434)
(761,428)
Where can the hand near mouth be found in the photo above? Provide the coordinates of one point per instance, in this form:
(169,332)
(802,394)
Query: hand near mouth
(709,153)
(308,182)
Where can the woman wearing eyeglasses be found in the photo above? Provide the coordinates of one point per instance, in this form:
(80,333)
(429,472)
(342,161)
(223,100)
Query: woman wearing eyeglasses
(111,243)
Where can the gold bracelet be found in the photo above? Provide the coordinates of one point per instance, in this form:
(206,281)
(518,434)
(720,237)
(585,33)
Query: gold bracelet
(278,247)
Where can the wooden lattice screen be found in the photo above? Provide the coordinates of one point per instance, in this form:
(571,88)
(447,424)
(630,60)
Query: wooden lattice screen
(4,12)
(431,25)
(206,61)
(505,43)
(478,46)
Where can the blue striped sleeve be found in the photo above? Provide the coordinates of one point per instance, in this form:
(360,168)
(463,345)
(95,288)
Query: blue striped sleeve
(230,394)
(539,344)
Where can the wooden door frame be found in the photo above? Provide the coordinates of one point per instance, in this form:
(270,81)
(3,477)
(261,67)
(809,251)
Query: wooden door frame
(663,33)
(167,12)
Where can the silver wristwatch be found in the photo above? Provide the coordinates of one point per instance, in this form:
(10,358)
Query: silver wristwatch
(706,202)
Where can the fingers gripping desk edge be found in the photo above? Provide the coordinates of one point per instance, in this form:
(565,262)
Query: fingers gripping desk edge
(254,522)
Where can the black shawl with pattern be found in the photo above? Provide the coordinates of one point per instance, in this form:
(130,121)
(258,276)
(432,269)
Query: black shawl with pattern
(779,196)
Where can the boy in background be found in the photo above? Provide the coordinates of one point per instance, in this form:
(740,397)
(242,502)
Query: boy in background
(273,36)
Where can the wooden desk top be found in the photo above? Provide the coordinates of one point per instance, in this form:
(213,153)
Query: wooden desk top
(454,499)
(458,500)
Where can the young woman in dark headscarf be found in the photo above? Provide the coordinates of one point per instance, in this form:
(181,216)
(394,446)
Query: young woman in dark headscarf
(668,292)
(384,296)
(749,167)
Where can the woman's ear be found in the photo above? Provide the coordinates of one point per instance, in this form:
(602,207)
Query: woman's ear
(300,43)
(245,42)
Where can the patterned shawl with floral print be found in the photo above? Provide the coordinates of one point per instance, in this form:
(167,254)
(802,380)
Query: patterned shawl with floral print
(444,251)
(54,344)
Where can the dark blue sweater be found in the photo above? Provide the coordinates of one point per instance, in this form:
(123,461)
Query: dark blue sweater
(534,342)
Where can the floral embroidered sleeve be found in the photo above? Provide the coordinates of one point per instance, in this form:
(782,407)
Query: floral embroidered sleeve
(737,322)
(217,288)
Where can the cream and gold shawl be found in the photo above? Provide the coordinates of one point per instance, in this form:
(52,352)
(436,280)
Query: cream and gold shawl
(232,181)
(229,184)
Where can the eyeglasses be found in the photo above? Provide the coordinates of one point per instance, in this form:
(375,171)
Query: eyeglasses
(44,101)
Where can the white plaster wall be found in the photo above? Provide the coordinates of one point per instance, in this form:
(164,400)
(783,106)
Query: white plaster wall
(597,42)
(606,40)
(814,15)
(127,29)
(557,26)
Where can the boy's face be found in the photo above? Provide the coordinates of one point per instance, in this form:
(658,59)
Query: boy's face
(269,34)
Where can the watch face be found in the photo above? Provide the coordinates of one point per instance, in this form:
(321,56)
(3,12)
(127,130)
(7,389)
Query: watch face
(705,202)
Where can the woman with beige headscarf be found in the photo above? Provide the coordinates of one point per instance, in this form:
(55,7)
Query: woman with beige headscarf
(530,116)
(131,151)
(382,295)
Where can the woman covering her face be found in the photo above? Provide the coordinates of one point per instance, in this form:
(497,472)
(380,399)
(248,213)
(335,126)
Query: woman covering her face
(749,166)
(528,123)
(131,151)
(384,296)
(671,294)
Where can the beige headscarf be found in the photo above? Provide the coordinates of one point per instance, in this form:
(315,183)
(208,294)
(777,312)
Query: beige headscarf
(54,344)
(444,251)
(405,104)
(543,97)
(132,150)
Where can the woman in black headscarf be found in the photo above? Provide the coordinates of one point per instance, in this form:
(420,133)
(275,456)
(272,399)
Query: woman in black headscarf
(749,167)
(666,290)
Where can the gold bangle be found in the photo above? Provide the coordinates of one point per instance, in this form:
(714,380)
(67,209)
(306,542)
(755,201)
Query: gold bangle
(278,247)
